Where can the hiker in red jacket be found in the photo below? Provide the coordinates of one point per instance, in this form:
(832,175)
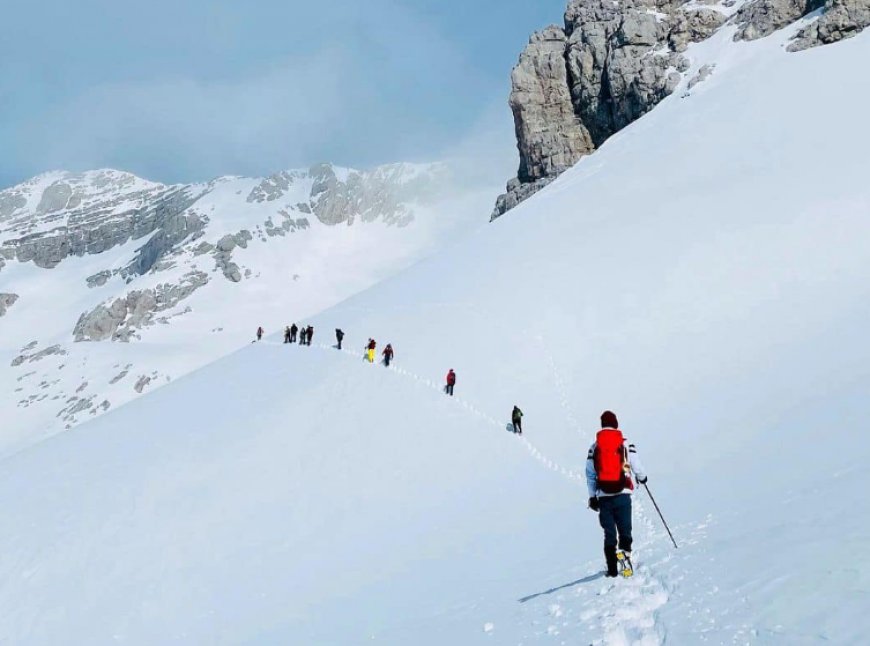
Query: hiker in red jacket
(451,381)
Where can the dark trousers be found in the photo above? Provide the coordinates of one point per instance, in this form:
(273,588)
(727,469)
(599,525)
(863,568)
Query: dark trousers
(615,517)
(292,338)
(449,389)
(518,426)
(387,360)
(339,344)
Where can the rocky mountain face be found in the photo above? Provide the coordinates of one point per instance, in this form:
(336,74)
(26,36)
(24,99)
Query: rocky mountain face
(105,256)
(612,62)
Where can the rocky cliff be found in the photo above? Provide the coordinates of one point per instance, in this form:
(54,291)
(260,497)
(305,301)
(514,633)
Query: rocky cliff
(612,62)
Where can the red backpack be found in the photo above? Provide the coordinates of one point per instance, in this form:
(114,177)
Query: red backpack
(611,461)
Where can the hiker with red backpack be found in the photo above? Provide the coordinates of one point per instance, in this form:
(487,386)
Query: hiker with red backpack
(451,382)
(609,468)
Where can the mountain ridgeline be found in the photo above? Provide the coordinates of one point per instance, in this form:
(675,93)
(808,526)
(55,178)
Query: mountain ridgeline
(612,62)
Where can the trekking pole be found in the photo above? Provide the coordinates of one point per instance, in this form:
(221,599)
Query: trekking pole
(664,522)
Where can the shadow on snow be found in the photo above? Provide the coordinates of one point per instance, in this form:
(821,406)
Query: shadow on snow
(585,579)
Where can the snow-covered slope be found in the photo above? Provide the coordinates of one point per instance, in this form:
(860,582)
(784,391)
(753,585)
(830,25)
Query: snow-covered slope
(114,285)
(704,275)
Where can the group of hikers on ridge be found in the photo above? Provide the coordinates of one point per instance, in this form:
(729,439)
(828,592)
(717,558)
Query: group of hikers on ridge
(290,332)
(611,463)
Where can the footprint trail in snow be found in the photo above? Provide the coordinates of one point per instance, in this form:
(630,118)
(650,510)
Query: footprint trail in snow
(622,611)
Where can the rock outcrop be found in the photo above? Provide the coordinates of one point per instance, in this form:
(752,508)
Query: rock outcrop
(760,18)
(367,196)
(6,301)
(90,213)
(223,254)
(612,62)
(575,87)
(120,319)
(840,19)
(551,137)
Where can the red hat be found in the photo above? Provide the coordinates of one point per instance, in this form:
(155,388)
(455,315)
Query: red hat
(608,420)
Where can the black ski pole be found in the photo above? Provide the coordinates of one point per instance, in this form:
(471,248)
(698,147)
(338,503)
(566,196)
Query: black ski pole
(664,522)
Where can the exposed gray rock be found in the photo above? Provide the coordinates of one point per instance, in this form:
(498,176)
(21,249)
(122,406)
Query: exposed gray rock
(693,26)
(289,224)
(273,187)
(173,229)
(618,60)
(54,198)
(38,356)
(6,301)
(550,137)
(119,376)
(143,381)
(203,248)
(760,18)
(702,75)
(223,254)
(367,196)
(78,405)
(99,279)
(97,228)
(517,192)
(121,319)
(9,203)
(574,88)
(840,19)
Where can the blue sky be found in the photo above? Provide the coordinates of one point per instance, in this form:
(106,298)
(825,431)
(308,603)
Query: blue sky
(187,90)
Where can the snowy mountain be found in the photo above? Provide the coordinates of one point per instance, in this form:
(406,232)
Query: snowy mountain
(703,274)
(111,285)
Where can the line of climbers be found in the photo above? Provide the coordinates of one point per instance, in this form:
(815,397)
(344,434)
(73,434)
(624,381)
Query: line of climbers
(610,463)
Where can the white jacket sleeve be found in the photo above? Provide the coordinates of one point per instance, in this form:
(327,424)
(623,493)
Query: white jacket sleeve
(636,465)
(591,476)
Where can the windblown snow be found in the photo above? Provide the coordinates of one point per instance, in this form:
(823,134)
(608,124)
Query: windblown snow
(705,275)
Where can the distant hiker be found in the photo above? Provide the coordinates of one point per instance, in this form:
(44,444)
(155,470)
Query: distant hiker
(339,336)
(609,467)
(370,350)
(259,333)
(517,420)
(287,334)
(451,381)
(309,332)
(302,333)
(388,355)
(293,330)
